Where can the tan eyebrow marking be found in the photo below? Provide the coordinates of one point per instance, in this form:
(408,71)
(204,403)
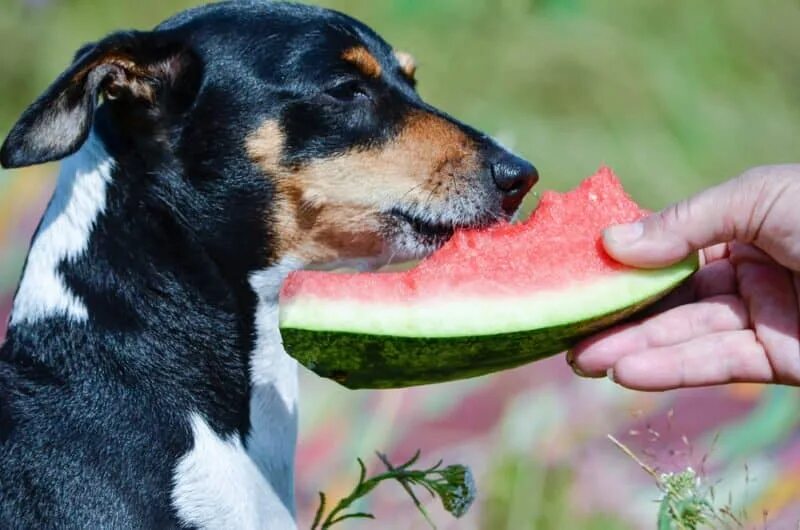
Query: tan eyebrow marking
(363,60)
(408,65)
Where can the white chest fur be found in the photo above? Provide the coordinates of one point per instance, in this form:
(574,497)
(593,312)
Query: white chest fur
(224,483)
(218,486)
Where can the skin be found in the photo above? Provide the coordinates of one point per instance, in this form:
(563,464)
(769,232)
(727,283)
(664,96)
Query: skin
(738,318)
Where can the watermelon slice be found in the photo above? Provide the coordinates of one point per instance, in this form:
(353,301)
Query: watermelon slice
(487,300)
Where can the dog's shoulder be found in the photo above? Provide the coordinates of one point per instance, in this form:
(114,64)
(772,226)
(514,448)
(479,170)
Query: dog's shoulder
(61,439)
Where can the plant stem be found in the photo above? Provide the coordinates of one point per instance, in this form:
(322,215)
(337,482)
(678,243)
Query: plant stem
(403,482)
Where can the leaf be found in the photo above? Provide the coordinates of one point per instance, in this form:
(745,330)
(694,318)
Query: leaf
(665,516)
(427,478)
(407,464)
(363,474)
(357,515)
(320,511)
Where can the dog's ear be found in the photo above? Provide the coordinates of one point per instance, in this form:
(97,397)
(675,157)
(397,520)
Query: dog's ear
(137,66)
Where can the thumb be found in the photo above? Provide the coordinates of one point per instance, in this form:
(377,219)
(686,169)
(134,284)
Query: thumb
(717,215)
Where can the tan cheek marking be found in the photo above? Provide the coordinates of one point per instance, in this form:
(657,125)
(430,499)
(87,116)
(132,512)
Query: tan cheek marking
(307,214)
(347,232)
(320,233)
(330,209)
(363,60)
(408,65)
(265,146)
(428,156)
(313,231)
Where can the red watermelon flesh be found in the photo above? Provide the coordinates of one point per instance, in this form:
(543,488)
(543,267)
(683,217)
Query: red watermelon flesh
(559,244)
(488,299)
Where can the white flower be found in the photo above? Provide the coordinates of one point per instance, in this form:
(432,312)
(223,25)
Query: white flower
(456,489)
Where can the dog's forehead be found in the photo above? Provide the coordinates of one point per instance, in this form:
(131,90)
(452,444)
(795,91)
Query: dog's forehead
(272,36)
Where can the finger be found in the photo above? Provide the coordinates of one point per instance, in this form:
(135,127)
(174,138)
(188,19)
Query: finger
(744,253)
(596,356)
(715,279)
(714,253)
(769,290)
(733,356)
(734,210)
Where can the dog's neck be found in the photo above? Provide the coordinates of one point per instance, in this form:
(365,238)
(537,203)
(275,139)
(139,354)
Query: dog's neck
(274,393)
(260,501)
(126,286)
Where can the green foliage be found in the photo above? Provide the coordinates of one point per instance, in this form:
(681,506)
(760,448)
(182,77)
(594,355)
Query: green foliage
(453,485)
(684,506)
(522,494)
(687,503)
(673,94)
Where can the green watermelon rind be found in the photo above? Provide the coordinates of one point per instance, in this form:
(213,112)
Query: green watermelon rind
(360,360)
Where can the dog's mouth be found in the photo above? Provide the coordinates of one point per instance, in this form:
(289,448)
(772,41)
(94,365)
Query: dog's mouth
(416,235)
(426,228)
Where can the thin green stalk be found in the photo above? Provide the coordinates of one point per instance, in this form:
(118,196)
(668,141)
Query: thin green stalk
(453,484)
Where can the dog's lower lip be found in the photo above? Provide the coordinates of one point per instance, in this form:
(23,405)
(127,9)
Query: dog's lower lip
(426,228)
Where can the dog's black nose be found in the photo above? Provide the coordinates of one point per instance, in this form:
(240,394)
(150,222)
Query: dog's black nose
(514,177)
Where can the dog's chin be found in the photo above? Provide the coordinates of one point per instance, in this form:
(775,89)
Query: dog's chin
(412,237)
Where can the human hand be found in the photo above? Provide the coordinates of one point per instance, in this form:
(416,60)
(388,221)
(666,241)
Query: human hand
(738,317)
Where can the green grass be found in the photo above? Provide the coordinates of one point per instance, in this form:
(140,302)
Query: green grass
(673,94)
(523,494)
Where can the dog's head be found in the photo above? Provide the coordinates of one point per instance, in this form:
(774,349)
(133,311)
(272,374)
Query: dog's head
(298,128)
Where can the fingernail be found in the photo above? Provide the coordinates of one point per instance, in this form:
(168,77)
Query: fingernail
(610,375)
(624,234)
(571,363)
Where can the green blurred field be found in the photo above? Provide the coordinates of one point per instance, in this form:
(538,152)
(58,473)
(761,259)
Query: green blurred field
(673,94)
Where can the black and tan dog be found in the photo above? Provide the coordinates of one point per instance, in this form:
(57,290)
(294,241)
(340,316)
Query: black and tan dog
(143,383)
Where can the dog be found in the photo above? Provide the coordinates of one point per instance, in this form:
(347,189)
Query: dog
(142,382)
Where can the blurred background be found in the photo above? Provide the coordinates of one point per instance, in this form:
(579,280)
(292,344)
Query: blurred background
(675,95)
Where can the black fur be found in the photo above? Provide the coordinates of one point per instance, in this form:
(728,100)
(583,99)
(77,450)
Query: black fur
(93,416)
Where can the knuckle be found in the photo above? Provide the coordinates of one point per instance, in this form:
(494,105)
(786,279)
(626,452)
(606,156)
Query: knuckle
(743,209)
(671,217)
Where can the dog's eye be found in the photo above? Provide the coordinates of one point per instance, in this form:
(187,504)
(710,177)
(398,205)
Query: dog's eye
(349,91)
